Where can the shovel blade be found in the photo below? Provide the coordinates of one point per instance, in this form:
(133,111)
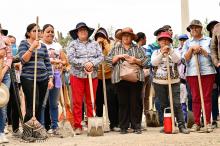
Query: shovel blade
(190,119)
(95,126)
(152,118)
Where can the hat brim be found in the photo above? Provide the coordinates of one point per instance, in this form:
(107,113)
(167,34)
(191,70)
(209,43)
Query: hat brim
(73,33)
(4,32)
(211,24)
(120,34)
(189,27)
(171,40)
(156,33)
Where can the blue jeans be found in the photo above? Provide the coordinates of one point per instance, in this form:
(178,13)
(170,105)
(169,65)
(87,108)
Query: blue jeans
(3,111)
(53,105)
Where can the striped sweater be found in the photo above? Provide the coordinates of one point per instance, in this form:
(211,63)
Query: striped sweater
(132,51)
(44,68)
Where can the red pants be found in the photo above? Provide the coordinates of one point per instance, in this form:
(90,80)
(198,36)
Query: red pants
(80,89)
(207,86)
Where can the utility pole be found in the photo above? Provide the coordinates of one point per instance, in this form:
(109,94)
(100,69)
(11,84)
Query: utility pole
(184,15)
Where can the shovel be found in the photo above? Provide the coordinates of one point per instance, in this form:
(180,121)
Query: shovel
(201,95)
(65,129)
(95,124)
(106,125)
(174,131)
(152,118)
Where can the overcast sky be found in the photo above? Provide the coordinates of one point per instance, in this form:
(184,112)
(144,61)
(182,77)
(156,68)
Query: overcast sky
(141,15)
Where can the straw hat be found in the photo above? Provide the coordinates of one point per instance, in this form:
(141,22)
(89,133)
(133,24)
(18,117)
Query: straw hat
(4,95)
(127,30)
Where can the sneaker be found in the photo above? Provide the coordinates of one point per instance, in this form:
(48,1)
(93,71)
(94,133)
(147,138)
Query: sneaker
(115,129)
(50,131)
(184,130)
(17,133)
(214,125)
(3,138)
(209,128)
(137,131)
(78,131)
(54,131)
(6,131)
(195,128)
(162,130)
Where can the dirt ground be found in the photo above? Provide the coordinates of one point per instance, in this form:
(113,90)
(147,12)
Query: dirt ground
(151,137)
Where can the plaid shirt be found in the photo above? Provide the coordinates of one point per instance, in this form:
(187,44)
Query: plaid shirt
(8,58)
(80,53)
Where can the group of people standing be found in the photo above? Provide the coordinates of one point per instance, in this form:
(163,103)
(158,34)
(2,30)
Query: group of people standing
(127,94)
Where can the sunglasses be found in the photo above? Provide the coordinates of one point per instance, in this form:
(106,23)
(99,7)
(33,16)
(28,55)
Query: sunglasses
(35,30)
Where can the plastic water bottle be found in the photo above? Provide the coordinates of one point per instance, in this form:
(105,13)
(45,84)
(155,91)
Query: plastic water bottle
(57,78)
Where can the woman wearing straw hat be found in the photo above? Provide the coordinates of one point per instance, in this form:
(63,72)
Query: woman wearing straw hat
(200,46)
(44,71)
(84,56)
(129,92)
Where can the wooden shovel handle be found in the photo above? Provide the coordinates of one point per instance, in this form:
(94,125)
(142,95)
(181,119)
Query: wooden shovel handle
(170,93)
(200,90)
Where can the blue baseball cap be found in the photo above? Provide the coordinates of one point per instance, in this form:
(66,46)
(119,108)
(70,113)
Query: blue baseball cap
(183,36)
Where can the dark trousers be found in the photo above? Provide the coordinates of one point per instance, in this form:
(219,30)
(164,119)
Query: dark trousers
(111,100)
(130,104)
(215,110)
(47,120)
(13,107)
(41,88)
(189,96)
(162,91)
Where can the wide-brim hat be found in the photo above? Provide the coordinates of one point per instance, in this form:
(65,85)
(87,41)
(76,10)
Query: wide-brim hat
(4,95)
(4,32)
(101,31)
(165,35)
(211,24)
(73,33)
(126,30)
(158,31)
(194,23)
